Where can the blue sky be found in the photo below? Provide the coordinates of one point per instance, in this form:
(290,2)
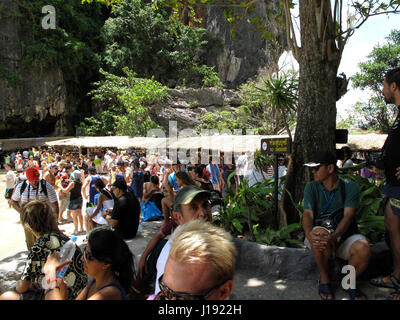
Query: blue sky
(360,44)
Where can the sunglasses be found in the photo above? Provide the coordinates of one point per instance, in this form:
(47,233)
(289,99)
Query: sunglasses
(317,167)
(168,294)
(87,255)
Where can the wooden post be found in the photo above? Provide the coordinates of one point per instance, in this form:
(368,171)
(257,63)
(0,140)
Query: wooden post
(276,179)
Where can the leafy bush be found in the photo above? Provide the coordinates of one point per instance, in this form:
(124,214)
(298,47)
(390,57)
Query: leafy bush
(370,216)
(127,99)
(247,205)
(280,238)
(152,43)
(73,45)
(225,120)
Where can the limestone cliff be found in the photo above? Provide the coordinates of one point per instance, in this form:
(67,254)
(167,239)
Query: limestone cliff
(246,54)
(32,100)
(41,102)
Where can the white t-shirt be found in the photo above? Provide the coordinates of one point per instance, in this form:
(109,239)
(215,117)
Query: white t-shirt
(241,165)
(255,176)
(162,260)
(11,179)
(348,164)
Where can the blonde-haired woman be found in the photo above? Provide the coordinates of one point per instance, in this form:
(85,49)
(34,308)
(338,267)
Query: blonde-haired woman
(39,218)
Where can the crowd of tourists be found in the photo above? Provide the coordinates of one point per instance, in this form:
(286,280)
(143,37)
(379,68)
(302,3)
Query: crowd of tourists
(106,194)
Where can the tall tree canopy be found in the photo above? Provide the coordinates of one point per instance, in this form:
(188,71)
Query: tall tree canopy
(376,114)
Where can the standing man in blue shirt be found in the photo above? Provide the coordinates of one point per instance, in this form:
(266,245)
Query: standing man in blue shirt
(215,174)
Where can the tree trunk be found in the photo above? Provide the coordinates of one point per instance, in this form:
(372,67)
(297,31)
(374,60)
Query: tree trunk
(316,115)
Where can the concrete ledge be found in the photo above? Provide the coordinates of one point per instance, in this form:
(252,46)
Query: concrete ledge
(299,264)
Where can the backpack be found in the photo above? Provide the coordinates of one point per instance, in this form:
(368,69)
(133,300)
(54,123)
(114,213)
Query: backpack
(42,183)
(151,212)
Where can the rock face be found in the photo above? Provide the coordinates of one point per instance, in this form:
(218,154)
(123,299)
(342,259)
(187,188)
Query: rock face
(187,105)
(32,100)
(38,102)
(247,55)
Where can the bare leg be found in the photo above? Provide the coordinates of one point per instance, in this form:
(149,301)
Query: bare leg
(80,218)
(392,224)
(322,260)
(360,254)
(10,295)
(75,220)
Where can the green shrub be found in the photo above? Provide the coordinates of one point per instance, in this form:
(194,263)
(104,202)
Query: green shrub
(127,99)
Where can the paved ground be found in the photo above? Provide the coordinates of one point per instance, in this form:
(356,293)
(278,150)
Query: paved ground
(246,286)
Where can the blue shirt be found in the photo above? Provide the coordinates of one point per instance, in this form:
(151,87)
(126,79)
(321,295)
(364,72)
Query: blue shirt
(214,171)
(172,180)
(137,183)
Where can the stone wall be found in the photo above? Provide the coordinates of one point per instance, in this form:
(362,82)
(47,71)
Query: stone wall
(187,105)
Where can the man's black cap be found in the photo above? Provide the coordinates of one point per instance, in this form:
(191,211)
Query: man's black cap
(322,157)
(120,184)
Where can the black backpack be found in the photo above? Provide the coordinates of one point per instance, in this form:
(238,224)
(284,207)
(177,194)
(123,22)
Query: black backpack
(42,183)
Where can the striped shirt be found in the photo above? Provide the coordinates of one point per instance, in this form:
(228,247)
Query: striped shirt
(31,193)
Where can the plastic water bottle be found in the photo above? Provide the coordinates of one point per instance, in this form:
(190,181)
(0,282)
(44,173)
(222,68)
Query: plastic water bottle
(66,253)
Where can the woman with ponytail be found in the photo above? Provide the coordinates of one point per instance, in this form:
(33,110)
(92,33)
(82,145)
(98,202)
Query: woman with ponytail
(110,263)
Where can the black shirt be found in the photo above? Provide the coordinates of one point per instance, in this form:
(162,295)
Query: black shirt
(391,153)
(126,210)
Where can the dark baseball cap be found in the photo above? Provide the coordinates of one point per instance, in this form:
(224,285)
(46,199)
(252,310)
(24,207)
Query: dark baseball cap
(187,194)
(322,157)
(120,184)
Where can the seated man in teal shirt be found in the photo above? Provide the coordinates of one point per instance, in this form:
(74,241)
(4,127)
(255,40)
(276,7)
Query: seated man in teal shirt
(330,205)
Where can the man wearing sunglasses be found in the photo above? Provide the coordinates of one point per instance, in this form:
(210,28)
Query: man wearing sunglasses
(190,203)
(330,205)
(200,265)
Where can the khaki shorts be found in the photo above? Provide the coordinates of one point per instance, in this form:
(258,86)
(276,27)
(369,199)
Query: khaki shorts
(343,252)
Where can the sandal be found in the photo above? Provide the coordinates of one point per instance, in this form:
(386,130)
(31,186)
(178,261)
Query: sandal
(380,283)
(326,289)
(395,295)
(356,293)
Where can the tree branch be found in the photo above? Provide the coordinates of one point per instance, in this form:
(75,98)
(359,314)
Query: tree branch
(290,34)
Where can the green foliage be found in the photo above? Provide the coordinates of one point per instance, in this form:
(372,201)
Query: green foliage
(153,44)
(267,107)
(272,102)
(72,45)
(248,205)
(262,161)
(225,120)
(375,114)
(255,205)
(280,238)
(210,77)
(127,99)
(370,217)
